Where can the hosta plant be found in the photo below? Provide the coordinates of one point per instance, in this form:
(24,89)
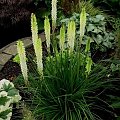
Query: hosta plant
(102,39)
(8,95)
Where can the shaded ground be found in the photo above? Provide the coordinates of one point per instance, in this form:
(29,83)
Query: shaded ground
(10,71)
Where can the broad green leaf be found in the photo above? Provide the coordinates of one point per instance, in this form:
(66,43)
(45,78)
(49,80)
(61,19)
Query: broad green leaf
(12,92)
(4,114)
(3,100)
(100,17)
(90,27)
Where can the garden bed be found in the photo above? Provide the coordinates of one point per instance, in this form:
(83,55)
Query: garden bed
(73,75)
(11,71)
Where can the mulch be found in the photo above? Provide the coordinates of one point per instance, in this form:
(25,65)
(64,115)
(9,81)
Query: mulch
(10,71)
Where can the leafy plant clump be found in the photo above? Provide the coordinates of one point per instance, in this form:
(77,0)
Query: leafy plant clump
(68,86)
(8,95)
(101,38)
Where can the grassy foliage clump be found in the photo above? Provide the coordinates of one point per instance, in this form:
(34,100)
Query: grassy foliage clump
(67,91)
(68,86)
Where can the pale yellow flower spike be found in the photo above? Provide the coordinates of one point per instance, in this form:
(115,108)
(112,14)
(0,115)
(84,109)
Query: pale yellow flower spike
(22,56)
(37,44)
(47,32)
(82,24)
(38,52)
(71,35)
(88,65)
(62,37)
(34,28)
(54,13)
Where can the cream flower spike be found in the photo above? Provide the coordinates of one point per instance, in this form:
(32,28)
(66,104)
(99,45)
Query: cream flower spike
(23,64)
(47,32)
(71,35)
(62,37)
(38,52)
(34,28)
(37,43)
(54,13)
(82,24)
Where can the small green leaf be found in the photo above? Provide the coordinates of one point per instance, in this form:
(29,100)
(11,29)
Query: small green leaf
(4,114)
(7,87)
(3,100)
(12,92)
(90,27)
(116,105)
(113,67)
(17,59)
(99,39)
(100,17)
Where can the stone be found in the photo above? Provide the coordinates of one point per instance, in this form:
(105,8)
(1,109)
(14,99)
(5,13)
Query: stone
(42,36)
(27,42)
(4,58)
(12,50)
(1,66)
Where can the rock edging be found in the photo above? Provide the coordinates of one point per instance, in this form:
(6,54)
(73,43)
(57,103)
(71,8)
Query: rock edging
(10,50)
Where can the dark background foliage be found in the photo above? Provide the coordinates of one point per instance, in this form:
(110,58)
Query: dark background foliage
(112,6)
(14,11)
(14,20)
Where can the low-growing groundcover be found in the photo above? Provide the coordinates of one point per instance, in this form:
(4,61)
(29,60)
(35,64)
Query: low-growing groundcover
(102,39)
(67,85)
(8,95)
